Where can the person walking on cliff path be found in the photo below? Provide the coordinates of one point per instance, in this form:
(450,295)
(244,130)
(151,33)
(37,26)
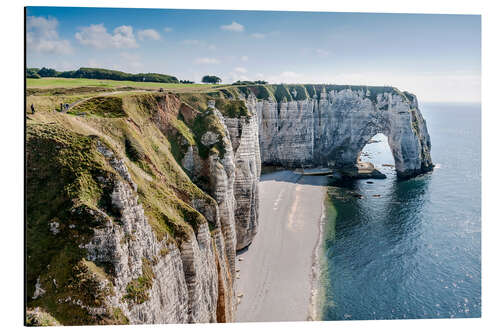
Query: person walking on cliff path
(32,109)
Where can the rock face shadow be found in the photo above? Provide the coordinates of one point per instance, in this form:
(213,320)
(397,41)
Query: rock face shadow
(290,176)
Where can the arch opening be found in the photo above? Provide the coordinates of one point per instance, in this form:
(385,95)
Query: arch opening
(376,155)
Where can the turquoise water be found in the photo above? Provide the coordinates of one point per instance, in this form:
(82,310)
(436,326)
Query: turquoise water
(415,251)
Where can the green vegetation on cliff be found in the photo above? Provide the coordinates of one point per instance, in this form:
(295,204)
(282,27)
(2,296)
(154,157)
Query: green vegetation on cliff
(232,108)
(103,106)
(281,93)
(38,317)
(260,91)
(298,91)
(63,187)
(236,90)
(208,122)
(138,289)
(69,180)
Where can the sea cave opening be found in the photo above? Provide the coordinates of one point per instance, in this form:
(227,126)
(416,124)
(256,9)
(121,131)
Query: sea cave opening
(377,153)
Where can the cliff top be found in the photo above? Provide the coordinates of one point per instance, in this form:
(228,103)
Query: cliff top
(276,92)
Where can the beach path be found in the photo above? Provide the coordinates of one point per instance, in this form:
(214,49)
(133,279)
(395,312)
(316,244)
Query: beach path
(276,269)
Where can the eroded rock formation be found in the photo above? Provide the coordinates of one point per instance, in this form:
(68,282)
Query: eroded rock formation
(331,129)
(245,142)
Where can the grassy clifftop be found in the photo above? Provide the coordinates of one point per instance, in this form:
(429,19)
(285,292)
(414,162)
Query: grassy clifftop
(276,92)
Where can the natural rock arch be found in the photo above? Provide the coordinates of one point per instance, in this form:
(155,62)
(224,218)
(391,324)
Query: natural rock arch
(332,130)
(404,127)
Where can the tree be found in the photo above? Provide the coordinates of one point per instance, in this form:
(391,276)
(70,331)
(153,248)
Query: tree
(211,79)
(47,72)
(32,73)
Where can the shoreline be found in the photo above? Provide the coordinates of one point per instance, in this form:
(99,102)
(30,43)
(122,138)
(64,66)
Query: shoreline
(316,288)
(279,273)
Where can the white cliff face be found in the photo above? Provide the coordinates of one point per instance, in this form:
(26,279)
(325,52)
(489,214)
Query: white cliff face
(286,131)
(221,174)
(125,245)
(200,271)
(332,130)
(234,178)
(187,279)
(245,142)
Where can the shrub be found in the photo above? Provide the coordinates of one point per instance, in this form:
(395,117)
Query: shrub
(211,79)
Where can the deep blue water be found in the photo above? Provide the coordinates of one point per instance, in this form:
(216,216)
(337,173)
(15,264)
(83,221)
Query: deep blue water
(415,251)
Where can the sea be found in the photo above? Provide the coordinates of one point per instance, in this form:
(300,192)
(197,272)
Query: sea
(409,249)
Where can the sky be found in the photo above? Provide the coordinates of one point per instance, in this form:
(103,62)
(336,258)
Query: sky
(437,57)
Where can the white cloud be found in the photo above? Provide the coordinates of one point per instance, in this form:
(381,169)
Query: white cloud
(97,36)
(124,37)
(148,34)
(244,58)
(42,36)
(206,61)
(168,29)
(241,69)
(234,26)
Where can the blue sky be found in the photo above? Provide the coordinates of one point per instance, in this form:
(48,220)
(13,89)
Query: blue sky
(438,57)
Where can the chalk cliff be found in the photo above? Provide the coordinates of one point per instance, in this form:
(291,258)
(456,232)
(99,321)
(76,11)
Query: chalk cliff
(136,209)
(245,141)
(331,128)
(119,232)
